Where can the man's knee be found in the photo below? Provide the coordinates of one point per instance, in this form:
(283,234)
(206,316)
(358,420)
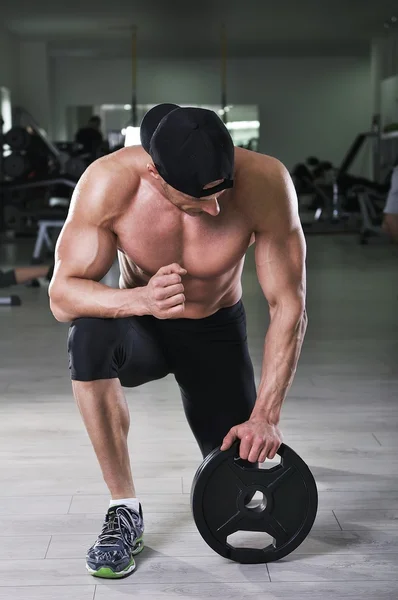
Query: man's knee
(390,226)
(91,345)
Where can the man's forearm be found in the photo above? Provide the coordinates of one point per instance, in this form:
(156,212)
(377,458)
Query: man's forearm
(74,298)
(282,349)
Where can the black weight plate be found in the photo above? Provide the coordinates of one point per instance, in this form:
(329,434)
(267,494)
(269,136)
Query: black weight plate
(16,165)
(219,495)
(18,138)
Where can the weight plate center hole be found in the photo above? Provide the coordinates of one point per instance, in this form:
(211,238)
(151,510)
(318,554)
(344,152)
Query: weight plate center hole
(255,502)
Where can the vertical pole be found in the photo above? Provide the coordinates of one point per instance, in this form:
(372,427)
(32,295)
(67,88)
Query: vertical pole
(376,77)
(224,72)
(134,79)
(2,199)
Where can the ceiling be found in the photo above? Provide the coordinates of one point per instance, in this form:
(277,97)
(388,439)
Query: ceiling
(99,28)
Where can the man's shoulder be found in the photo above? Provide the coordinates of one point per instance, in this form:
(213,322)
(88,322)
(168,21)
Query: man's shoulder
(265,188)
(121,168)
(260,178)
(109,184)
(129,159)
(259,165)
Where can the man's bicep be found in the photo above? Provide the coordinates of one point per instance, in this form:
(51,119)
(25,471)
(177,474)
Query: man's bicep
(280,264)
(280,245)
(84,250)
(86,247)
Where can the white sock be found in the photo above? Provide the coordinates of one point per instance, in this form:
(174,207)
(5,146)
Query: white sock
(133,503)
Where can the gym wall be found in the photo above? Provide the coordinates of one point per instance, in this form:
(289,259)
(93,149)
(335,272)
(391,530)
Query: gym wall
(35,93)
(388,48)
(9,67)
(24,70)
(389,94)
(307,105)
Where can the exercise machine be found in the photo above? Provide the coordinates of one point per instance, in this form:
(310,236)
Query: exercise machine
(371,209)
(4,300)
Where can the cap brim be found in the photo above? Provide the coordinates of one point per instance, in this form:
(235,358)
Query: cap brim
(151,120)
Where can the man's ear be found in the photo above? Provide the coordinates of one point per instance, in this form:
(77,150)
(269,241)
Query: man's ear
(153,170)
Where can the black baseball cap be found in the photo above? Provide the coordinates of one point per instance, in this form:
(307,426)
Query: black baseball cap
(190,147)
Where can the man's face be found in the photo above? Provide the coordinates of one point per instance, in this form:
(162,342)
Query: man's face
(195,207)
(95,124)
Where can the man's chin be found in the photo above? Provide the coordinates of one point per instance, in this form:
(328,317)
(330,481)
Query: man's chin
(194,214)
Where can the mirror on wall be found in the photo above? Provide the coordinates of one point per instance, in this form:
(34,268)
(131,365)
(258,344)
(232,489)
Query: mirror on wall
(241,120)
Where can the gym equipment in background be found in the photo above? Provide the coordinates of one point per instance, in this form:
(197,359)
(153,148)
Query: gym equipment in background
(10,301)
(33,156)
(4,300)
(371,206)
(328,195)
(32,178)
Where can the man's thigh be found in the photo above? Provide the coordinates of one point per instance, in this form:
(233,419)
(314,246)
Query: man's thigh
(140,357)
(216,378)
(215,404)
(128,349)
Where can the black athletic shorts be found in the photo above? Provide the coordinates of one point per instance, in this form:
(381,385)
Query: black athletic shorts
(208,357)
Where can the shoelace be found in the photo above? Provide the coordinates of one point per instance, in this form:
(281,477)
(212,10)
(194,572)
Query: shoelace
(119,526)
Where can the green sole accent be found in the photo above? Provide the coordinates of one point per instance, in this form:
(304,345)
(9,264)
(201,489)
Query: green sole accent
(107,573)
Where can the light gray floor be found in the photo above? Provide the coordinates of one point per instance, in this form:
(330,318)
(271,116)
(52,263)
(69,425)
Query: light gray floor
(341,416)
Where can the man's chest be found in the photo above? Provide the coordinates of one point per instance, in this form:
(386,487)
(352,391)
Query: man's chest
(206,246)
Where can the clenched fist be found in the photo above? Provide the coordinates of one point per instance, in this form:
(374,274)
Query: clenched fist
(164,293)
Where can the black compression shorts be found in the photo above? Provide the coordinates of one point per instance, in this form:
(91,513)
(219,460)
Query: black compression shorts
(208,357)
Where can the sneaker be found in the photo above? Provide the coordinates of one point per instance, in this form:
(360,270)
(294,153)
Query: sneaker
(121,538)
